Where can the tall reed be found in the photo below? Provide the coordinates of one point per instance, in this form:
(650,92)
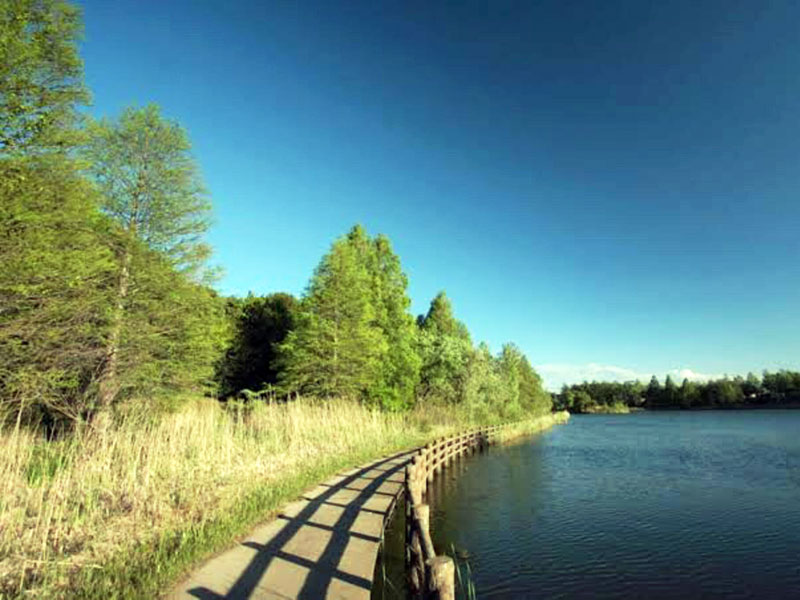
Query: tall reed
(71,508)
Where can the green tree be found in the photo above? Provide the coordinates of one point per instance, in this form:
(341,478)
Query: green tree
(669,395)
(653,392)
(173,334)
(55,266)
(533,397)
(483,385)
(336,347)
(41,76)
(508,366)
(151,189)
(440,320)
(399,373)
(54,281)
(689,394)
(446,351)
(260,324)
(751,387)
(582,401)
(724,392)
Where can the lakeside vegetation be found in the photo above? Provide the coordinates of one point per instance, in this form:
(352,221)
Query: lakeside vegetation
(121,513)
(145,420)
(772,389)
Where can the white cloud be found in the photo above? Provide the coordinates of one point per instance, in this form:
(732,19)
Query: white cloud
(681,374)
(555,375)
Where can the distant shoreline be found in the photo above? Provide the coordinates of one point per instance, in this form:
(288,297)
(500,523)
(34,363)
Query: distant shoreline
(768,406)
(639,409)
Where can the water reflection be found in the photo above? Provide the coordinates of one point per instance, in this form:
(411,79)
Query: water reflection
(656,505)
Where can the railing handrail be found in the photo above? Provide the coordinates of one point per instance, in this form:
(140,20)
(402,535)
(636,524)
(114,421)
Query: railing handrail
(433,576)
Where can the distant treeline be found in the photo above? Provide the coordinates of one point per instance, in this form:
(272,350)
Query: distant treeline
(105,289)
(775,389)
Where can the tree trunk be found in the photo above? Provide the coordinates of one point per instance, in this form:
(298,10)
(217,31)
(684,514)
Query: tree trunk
(108,380)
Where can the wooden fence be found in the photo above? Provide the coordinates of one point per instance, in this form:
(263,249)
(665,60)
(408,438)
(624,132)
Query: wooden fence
(430,576)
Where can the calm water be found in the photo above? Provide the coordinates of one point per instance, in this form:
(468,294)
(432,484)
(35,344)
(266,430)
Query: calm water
(650,505)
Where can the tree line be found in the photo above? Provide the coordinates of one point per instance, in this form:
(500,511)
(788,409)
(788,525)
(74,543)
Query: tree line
(781,388)
(106,294)
(352,335)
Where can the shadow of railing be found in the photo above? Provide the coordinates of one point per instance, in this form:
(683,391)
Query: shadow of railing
(325,569)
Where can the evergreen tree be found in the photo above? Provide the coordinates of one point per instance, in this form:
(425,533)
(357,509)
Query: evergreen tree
(688,395)
(400,366)
(440,320)
(670,392)
(336,347)
(653,393)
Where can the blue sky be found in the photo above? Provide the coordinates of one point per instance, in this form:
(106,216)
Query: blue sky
(613,186)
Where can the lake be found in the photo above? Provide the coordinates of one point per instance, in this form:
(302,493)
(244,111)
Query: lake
(651,505)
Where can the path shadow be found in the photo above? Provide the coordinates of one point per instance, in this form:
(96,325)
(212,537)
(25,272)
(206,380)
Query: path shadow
(364,500)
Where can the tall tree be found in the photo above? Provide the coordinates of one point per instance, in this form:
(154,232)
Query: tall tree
(653,393)
(399,373)
(483,385)
(669,395)
(41,76)
(151,188)
(336,346)
(533,397)
(55,267)
(54,281)
(440,320)
(446,351)
(688,395)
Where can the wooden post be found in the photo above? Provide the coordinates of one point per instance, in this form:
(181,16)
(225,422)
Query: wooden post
(424,517)
(430,458)
(416,579)
(421,515)
(442,583)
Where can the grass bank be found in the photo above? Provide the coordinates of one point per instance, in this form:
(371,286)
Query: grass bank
(122,513)
(618,408)
(531,426)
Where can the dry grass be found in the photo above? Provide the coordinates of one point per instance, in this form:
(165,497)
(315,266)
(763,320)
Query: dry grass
(74,506)
(120,513)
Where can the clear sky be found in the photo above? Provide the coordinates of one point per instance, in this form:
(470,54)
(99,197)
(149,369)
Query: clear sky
(612,185)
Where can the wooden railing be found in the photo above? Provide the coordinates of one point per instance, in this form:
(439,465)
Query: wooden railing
(431,576)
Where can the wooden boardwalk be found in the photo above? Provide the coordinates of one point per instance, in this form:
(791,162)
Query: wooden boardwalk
(322,546)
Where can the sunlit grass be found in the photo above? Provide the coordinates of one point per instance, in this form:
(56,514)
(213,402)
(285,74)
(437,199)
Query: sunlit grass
(71,510)
(123,512)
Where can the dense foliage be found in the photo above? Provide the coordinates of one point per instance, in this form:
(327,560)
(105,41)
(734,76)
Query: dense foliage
(101,293)
(351,335)
(104,290)
(776,389)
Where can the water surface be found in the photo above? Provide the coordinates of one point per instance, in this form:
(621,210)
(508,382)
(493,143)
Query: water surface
(654,504)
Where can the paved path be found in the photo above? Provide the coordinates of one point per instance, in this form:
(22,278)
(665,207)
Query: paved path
(321,546)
